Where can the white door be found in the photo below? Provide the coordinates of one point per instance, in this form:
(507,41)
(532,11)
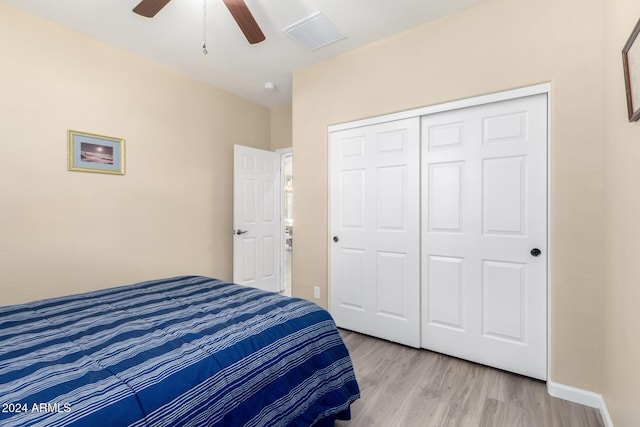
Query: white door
(484,234)
(256,218)
(374,232)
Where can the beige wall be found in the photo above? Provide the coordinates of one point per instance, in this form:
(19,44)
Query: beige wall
(622,284)
(281,127)
(500,45)
(63,232)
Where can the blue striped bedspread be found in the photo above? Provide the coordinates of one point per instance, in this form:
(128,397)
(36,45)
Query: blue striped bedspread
(182,351)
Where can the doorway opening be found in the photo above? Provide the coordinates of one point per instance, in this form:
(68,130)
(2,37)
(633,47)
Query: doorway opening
(287,214)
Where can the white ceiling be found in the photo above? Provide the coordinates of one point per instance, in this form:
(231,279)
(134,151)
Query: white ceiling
(174,36)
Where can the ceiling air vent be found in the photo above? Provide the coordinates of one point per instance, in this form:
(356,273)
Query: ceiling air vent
(314,31)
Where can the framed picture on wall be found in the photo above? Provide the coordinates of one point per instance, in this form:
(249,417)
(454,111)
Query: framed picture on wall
(95,153)
(631,64)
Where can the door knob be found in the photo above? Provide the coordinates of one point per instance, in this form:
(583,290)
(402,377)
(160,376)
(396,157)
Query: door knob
(336,239)
(239,232)
(536,252)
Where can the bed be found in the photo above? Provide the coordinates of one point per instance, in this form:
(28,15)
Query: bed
(189,350)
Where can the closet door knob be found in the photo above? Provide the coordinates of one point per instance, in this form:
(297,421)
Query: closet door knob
(336,239)
(535,252)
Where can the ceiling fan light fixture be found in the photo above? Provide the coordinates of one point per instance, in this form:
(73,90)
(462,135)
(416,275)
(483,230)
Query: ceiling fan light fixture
(314,31)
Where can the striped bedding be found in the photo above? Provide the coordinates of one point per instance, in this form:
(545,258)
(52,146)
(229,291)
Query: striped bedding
(182,351)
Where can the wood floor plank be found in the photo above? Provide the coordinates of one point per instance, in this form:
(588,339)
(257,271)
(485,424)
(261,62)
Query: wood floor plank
(407,387)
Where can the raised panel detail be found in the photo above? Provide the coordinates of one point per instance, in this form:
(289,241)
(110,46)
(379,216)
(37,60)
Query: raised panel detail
(269,208)
(352,147)
(504,195)
(446,136)
(505,128)
(352,282)
(445,292)
(248,259)
(352,198)
(391,277)
(269,165)
(394,141)
(248,162)
(391,197)
(504,293)
(445,197)
(249,197)
(268,256)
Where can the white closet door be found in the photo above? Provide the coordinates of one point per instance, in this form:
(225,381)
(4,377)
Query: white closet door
(484,234)
(375,247)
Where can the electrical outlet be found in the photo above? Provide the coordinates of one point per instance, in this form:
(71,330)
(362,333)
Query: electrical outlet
(316,292)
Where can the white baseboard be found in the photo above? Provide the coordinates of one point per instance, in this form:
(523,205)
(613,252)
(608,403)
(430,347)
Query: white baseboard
(583,397)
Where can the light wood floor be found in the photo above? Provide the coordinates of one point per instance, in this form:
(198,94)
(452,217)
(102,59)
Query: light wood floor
(406,387)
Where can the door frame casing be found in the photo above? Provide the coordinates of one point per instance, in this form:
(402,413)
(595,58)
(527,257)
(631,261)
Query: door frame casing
(543,88)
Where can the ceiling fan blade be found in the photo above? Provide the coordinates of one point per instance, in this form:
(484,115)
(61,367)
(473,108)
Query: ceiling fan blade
(149,8)
(245,20)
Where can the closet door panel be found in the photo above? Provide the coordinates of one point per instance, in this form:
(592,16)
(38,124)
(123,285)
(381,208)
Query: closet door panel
(375,234)
(484,198)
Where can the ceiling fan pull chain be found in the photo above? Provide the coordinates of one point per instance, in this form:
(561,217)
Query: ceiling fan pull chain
(204,27)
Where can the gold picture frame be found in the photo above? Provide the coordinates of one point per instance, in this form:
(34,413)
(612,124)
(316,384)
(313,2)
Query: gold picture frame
(631,65)
(89,152)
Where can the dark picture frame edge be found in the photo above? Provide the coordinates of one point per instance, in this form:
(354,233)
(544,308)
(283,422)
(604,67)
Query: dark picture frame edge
(633,113)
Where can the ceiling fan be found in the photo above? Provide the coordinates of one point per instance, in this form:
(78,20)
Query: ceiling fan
(238,9)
